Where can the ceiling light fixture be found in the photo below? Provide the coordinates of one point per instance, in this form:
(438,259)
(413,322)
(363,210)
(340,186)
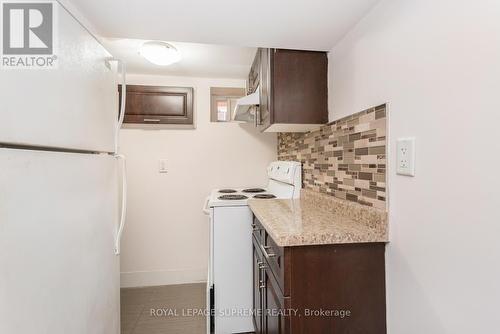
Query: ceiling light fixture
(160,53)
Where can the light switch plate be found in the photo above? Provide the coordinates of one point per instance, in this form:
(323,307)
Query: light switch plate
(162,166)
(405,164)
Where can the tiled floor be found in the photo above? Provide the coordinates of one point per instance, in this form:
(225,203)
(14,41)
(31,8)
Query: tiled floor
(150,310)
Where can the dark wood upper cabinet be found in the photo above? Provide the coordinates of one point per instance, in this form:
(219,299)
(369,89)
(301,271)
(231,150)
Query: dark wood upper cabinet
(293,88)
(158,104)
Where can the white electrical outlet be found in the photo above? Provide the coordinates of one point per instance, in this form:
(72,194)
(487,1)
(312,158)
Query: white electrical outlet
(406,156)
(162,166)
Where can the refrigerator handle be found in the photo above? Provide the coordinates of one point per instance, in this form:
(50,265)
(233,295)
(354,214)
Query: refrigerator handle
(122,66)
(122,106)
(121,158)
(206,210)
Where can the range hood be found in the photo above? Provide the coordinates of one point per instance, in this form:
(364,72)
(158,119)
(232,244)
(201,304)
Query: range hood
(243,110)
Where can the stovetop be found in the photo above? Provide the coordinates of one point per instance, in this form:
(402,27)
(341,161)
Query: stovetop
(237,196)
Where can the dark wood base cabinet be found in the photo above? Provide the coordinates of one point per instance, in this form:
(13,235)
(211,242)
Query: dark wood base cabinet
(335,289)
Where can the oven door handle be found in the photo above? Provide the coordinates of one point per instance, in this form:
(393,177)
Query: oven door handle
(206,209)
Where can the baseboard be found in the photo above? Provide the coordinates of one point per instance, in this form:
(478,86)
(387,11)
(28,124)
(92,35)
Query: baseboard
(168,277)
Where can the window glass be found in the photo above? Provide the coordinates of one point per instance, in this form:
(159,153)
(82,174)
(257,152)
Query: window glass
(222,110)
(223,102)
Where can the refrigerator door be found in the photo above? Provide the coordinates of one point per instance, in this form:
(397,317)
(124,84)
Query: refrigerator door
(58,222)
(74,106)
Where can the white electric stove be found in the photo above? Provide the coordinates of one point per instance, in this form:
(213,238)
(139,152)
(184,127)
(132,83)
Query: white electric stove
(230,277)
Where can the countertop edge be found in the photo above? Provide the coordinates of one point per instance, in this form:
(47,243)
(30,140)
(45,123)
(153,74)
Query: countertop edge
(317,238)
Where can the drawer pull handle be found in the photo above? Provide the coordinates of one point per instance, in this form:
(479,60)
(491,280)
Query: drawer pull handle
(266,254)
(151,120)
(262,286)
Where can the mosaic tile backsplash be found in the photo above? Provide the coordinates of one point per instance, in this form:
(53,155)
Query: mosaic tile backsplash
(345,158)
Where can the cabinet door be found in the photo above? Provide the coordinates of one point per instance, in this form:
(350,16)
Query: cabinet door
(63,243)
(257,283)
(254,75)
(71,107)
(274,319)
(265,108)
(159,105)
(299,87)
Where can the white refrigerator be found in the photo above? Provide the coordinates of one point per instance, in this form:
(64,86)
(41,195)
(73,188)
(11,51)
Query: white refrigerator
(61,191)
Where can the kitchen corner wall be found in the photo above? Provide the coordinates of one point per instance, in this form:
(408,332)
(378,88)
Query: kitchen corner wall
(345,158)
(437,65)
(165,239)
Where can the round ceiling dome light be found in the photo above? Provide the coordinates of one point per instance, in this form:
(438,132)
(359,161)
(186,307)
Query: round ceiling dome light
(160,53)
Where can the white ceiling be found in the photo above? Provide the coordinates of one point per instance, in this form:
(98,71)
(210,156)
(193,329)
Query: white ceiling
(198,60)
(294,24)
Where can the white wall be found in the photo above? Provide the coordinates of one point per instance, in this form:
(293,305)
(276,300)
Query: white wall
(166,235)
(437,64)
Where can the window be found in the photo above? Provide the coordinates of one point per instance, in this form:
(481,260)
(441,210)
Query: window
(222,109)
(223,101)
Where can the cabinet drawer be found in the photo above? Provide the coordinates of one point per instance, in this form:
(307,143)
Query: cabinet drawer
(274,255)
(275,320)
(258,231)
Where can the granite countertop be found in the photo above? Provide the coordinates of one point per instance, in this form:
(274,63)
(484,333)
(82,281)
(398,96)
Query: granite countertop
(316,219)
